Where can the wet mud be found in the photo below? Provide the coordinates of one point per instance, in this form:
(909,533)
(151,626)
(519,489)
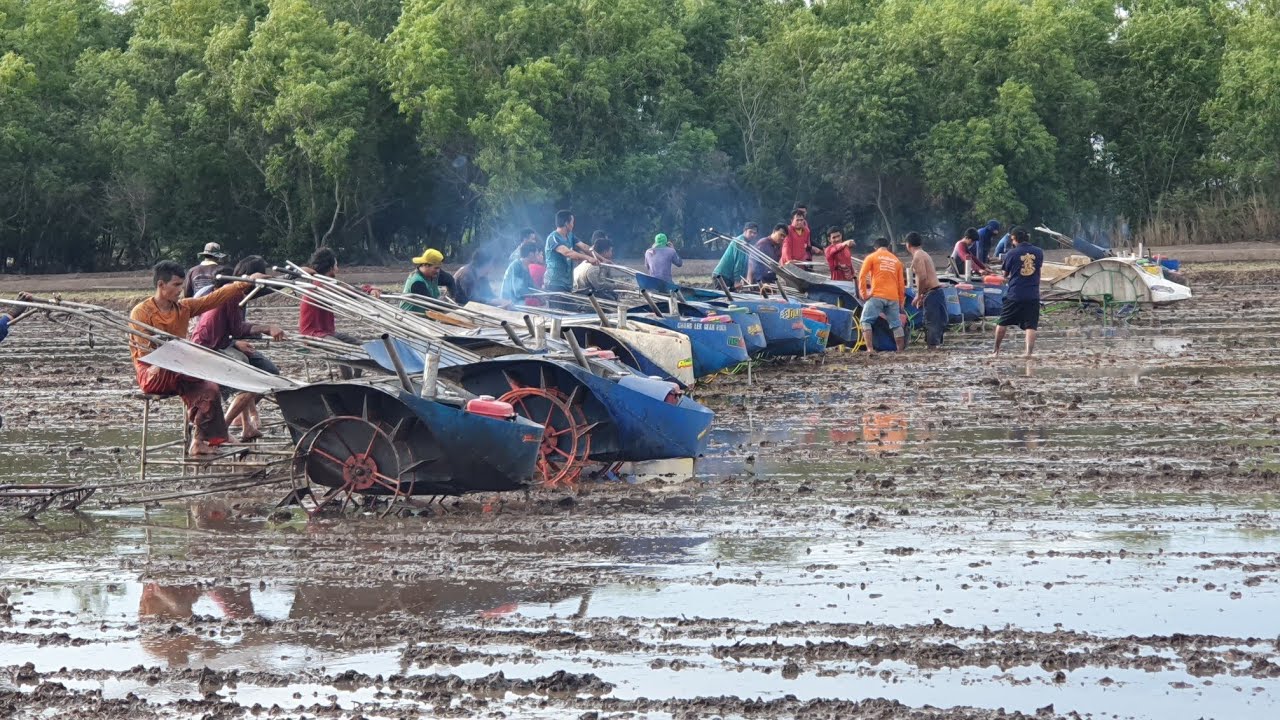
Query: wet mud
(1092,533)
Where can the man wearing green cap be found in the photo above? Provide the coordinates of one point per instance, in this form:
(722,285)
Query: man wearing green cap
(659,259)
(427,279)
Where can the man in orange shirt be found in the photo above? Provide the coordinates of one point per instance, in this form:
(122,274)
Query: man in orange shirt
(166,310)
(796,247)
(882,284)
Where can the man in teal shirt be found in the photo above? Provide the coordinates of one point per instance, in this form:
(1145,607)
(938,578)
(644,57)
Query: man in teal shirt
(732,268)
(427,279)
(562,250)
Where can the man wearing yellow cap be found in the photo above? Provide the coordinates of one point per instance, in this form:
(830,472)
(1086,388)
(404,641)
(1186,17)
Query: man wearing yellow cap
(427,279)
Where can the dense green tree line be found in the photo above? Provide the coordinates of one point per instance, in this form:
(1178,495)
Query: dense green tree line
(133,131)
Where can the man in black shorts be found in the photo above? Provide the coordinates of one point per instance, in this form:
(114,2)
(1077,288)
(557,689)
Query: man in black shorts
(1022,289)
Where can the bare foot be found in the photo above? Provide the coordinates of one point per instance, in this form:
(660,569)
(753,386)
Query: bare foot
(199,448)
(253,434)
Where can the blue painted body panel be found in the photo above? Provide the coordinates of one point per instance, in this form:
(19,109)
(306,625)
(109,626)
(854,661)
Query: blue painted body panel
(658,285)
(952,297)
(460,452)
(816,335)
(992,300)
(627,424)
(970,302)
(716,346)
(842,321)
(752,331)
(782,324)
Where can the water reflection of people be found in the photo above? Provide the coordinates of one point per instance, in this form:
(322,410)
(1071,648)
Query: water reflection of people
(884,432)
(1029,438)
(215,514)
(167,603)
(175,602)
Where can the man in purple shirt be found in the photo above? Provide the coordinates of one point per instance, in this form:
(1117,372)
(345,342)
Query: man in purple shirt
(660,258)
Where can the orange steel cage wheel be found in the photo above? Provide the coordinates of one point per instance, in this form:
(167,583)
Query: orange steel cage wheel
(342,457)
(566,441)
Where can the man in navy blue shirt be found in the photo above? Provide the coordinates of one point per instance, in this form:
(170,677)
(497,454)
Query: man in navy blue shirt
(1022,289)
(987,235)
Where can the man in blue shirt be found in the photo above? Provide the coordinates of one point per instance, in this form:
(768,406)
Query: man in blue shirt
(7,319)
(517,283)
(526,235)
(562,250)
(987,235)
(732,268)
(1022,289)
(1002,247)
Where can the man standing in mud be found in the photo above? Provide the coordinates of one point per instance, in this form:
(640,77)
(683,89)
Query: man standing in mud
(929,296)
(166,310)
(201,276)
(882,284)
(987,235)
(796,247)
(1022,290)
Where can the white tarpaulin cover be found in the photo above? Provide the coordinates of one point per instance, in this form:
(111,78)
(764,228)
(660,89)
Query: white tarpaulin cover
(189,359)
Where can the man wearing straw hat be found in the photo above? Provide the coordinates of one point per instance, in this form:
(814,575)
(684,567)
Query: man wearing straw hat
(201,276)
(427,279)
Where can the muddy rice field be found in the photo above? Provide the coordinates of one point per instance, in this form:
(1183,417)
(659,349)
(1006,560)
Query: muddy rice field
(1092,533)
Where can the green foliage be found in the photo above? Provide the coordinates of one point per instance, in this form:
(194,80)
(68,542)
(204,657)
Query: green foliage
(1245,114)
(380,126)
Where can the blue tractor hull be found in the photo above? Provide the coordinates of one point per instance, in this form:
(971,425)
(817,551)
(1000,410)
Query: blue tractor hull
(716,346)
(440,448)
(782,323)
(629,421)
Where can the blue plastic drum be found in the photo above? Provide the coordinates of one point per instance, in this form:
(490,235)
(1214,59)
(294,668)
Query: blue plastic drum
(970,302)
(992,299)
(952,296)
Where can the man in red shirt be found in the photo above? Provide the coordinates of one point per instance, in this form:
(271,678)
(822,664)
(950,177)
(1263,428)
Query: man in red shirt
(796,246)
(839,259)
(966,251)
(315,320)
